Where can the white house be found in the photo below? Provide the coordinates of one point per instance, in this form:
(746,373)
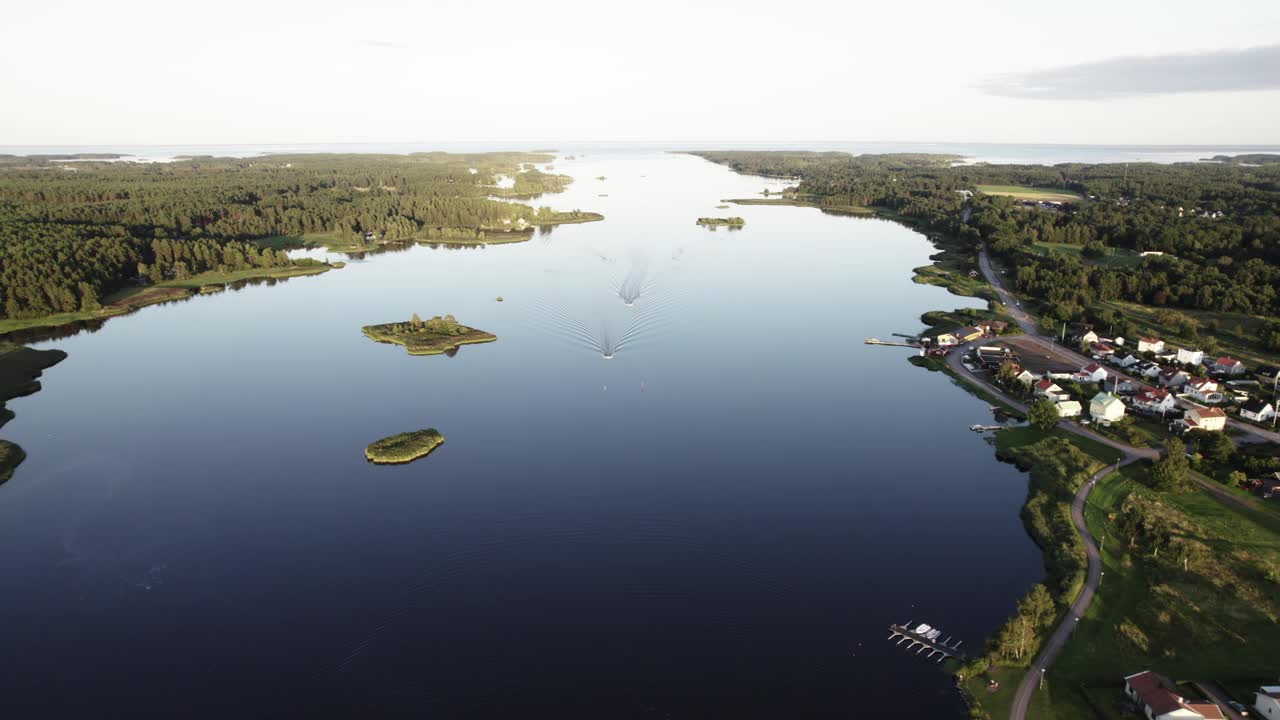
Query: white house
(1173,378)
(1148,370)
(1257,410)
(1026,377)
(1159,700)
(1100,350)
(1049,389)
(946,340)
(1266,700)
(1204,390)
(1124,360)
(1068,408)
(1228,366)
(1091,373)
(1088,336)
(1105,406)
(1190,356)
(1154,400)
(1150,344)
(1207,419)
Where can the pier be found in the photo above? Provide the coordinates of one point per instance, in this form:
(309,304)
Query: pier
(878,341)
(925,639)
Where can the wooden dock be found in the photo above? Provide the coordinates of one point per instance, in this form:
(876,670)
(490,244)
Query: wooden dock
(922,638)
(891,343)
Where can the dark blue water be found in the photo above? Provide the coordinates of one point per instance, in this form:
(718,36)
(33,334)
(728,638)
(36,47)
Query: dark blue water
(720,521)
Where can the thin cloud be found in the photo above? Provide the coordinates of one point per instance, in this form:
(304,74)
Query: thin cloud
(383,44)
(1256,68)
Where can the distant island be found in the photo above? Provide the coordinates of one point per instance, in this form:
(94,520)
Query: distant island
(1247,159)
(735,222)
(427,337)
(404,447)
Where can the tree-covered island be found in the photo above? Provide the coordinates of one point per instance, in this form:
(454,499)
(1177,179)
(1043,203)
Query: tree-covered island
(427,337)
(403,447)
(733,222)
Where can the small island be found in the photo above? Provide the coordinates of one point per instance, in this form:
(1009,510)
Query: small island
(404,447)
(712,222)
(428,337)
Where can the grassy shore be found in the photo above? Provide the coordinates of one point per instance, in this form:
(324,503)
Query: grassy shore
(801,202)
(403,447)
(19,369)
(136,298)
(352,243)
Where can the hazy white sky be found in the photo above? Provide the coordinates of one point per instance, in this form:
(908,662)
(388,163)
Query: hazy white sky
(244,71)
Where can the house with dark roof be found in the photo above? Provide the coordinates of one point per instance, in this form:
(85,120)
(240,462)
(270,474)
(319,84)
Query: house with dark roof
(1257,410)
(1159,699)
(1172,377)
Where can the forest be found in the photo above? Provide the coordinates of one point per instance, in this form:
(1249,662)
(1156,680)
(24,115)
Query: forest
(1211,229)
(71,234)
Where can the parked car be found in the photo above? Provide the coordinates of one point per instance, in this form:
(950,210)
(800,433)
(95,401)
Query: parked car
(1241,709)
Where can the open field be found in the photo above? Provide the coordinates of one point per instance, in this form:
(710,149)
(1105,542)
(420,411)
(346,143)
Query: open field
(1198,603)
(1116,257)
(1236,333)
(1030,193)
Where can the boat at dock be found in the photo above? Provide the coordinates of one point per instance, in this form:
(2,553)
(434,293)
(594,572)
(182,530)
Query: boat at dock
(922,638)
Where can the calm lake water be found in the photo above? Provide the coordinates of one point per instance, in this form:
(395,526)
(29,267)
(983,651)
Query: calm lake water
(721,521)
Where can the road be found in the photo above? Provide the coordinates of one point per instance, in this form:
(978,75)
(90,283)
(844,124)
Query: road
(1071,357)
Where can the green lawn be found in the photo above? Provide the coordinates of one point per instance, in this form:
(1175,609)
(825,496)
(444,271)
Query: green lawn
(1236,333)
(1116,257)
(1030,193)
(1214,620)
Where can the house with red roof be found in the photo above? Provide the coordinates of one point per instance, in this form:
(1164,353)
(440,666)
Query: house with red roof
(1228,366)
(1160,699)
(1047,388)
(1091,373)
(1204,390)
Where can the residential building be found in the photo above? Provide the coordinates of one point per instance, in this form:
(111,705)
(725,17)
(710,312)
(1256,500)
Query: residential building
(1124,384)
(1106,407)
(1172,378)
(965,334)
(1205,390)
(1049,389)
(1148,370)
(1257,410)
(1154,400)
(1266,700)
(1124,360)
(1160,700)
(1068,408)
(1100,350)
(946,339)
(1026,377)
(1207,419)
(1091,373)
(992,327)
(1268,372)
(1228,366)
(1086,335)
(1150,344)
(1190,356)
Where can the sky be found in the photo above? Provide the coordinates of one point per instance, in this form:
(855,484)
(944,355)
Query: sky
(86,72)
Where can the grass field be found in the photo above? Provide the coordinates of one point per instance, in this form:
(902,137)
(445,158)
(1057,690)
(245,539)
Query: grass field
(1237,333)
(1118,257)
(1207,609)
(1030,193)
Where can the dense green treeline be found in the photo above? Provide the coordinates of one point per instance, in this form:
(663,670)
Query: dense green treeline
(1216,225)
(71,234)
